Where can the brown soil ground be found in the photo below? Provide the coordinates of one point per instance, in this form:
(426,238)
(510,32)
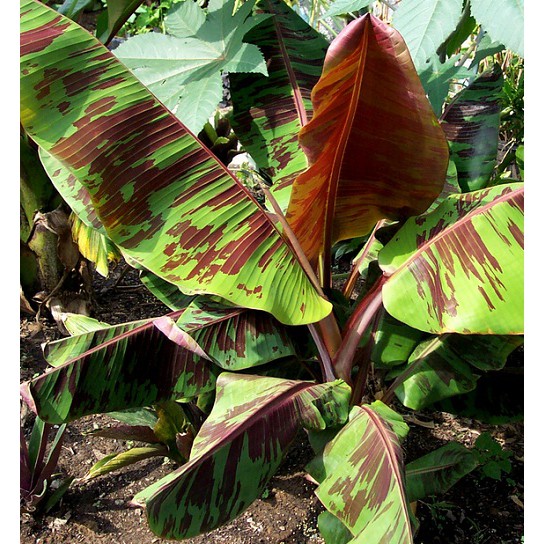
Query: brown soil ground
(477,510)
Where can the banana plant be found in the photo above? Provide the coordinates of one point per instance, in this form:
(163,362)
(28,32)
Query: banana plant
(258,339)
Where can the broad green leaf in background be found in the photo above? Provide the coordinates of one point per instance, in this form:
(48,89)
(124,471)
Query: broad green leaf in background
(449,365)
(268,112)
(160,195)
(340,7)
(425,25)
(238,449)
(438,471)
(118,12)
(374,146)
(125,366)
(503,20)
(486,48)
(364,483)
(460,267)
(471,124)
(183,69)
(465,27)
(73,8)
(437,79)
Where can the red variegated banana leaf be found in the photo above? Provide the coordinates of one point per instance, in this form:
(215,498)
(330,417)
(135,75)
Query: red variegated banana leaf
(363,482)
(374,145)
(460,268)
(159,193)
(268,112)
(471,124)
(236,338)
(238,449)
(128,366)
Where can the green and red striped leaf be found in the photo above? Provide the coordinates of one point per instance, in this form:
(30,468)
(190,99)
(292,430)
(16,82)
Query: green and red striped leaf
(460,268)
(268,112)
(161,196)
(374,145)
(471,124)
(364,482)
(236,338)
(127,366)
(238,449)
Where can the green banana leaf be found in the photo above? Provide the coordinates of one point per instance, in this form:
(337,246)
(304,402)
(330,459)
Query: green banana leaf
(460,267)
(238,449)
(438,471)
(268,112)
(394,342)
(471,124)
(449,365)
(497,399)
(161,196)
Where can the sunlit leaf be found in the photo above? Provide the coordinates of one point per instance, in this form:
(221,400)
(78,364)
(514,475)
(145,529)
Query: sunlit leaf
(374,145)
(160,195)
(238,449)
(460,268)
(503,20)
(364,484)
(425,25)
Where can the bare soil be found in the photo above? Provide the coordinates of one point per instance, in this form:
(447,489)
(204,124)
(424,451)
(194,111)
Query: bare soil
(477,510)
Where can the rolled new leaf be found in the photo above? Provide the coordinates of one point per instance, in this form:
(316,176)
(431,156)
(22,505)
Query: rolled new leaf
(460,268)
(374,145)
(238,449)
(268,112)
(161,196)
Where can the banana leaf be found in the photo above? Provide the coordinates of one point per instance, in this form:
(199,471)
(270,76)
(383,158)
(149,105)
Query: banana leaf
(449,365)
(438,471)
(471,124)
(460,267)
(364,482)
(160,195)
(238,449)
(374,146)
(268,112)
(116,368)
